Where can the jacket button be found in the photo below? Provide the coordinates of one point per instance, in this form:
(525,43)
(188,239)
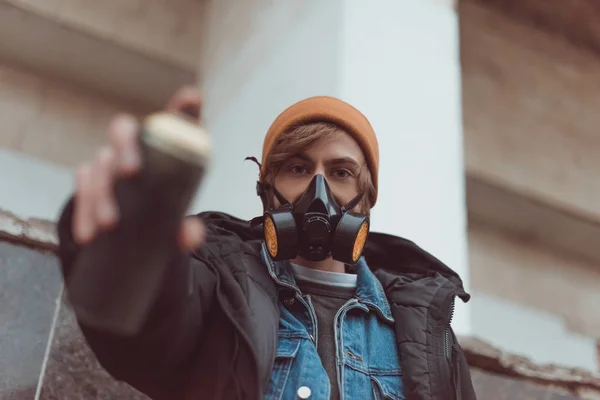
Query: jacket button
(290,301)
(304,393)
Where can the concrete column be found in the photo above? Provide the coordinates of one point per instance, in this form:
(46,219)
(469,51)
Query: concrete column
(395,60)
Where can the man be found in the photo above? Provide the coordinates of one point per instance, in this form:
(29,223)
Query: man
(292,310)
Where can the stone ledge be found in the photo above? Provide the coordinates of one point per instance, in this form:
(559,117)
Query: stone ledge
(491,359)
(34,233)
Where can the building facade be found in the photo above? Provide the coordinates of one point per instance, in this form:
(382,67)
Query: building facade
(485,113)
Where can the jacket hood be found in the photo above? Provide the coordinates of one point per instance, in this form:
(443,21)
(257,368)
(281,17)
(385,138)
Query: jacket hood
(382,247)
(379,251)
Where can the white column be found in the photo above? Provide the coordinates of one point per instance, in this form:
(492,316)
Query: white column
(395,60)
(260,57)
(401,67)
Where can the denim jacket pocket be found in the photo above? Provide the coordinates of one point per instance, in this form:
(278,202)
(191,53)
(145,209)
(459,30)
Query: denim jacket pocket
(287,349)
(387,386)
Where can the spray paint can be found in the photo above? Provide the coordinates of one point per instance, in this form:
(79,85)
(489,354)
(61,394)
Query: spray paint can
(117,278)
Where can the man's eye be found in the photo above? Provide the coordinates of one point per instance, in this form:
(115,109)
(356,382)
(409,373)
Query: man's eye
(342,173)
(299,169)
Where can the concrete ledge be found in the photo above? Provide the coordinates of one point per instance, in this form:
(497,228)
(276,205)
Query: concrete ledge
(33,233)
(481,355)
(56,49)
(532,218)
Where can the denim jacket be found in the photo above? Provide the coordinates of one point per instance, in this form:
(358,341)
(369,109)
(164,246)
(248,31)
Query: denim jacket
(368,364)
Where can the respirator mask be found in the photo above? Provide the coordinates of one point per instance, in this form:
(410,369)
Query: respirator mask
(315,226)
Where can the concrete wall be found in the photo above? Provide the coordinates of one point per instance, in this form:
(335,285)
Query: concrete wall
(166,28)
(48,128)
(49,120)
(530,110)
(530,117)
(533,300)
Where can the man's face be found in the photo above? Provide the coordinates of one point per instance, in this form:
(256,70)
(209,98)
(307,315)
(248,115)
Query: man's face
(339,160)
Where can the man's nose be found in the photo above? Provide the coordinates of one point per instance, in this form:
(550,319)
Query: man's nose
(320,169)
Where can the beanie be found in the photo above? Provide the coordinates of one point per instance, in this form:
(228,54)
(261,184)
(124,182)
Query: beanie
(330,110)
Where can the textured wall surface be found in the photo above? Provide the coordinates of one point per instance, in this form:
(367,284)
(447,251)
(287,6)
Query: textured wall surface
(530,110)
(535,276)
(42,348)
(29,286)
(491,386)
(530,126)
(49,120)
(170,29)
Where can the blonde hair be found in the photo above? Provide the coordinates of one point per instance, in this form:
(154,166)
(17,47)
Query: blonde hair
(296,141)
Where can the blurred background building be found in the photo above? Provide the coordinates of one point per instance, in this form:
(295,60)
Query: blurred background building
(486,112)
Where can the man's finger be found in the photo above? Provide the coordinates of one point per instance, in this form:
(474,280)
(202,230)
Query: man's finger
(192,233)
(123,136)
(106,208)
(84,224)
(188,101)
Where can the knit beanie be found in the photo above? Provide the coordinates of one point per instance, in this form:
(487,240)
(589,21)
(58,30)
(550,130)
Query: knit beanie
(330,110)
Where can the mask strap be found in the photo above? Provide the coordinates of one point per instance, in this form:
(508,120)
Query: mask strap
(257,221)
(279,196)
(260,189)
(353,203)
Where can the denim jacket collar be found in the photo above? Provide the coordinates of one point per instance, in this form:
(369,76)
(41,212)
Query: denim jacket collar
(368,288)
(370,292)
(280,271)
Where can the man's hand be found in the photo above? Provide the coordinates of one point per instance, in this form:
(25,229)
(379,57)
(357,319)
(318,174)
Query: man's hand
(95,205)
